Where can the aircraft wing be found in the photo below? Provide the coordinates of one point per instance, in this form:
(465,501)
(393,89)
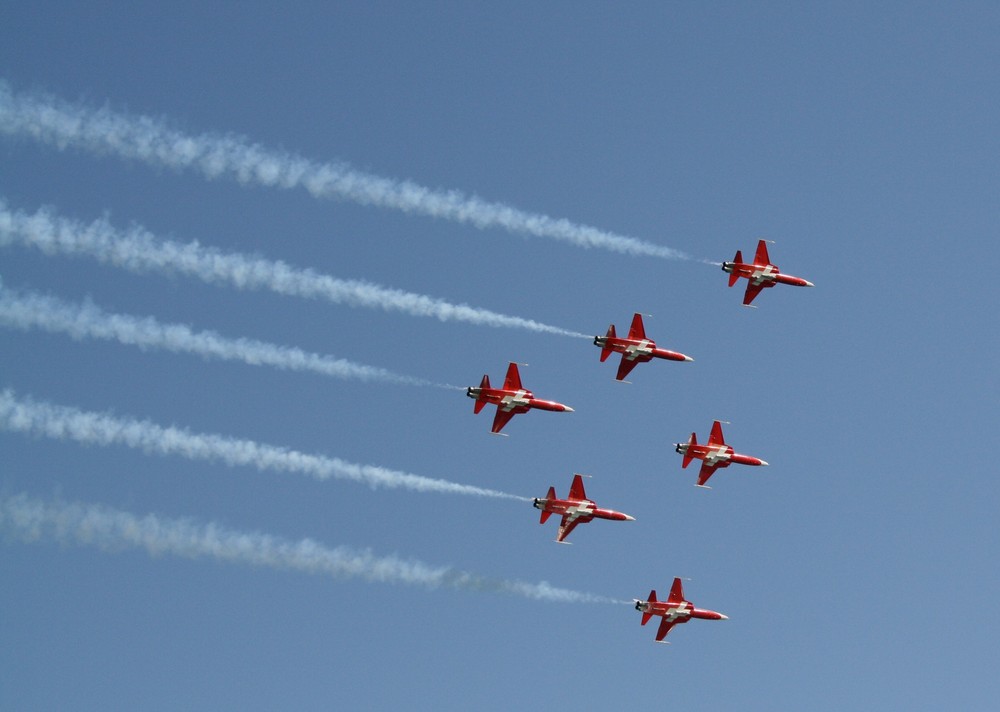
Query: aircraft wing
(706,472)
(752,291)
(665,626)
(761,258)
(502,418)
(567,525)
(513,380)
(625,367)
(576,490)
(637,331)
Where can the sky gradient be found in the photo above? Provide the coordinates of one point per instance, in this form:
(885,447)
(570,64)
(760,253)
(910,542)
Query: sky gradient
(250,257)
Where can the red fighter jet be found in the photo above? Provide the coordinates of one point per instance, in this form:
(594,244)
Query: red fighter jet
(510,400)
(674,610)
(575,509)
(761,274)
(636,348)
(714,455)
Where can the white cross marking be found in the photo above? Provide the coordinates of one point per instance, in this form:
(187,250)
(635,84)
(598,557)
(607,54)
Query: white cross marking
(678,612)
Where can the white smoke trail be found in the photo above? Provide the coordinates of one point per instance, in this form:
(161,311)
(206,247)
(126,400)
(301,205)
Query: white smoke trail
(65,423)
(110,529)
(137,250)
(142,138)
(38,311)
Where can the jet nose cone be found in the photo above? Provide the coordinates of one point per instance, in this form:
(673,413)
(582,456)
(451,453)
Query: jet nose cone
(567,409)
(808,283)
(763,463)
(629,519)
(688,358)
(723,617)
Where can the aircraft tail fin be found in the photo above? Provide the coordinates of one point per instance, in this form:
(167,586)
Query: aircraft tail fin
(647,615)
(689,455)
(545,512)
(605,352)
(676,592)
(733,276)
(480,404)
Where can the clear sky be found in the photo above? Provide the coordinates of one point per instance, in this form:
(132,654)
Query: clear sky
(857,570)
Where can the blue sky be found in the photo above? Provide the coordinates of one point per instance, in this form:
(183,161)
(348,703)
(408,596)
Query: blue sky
(856,570)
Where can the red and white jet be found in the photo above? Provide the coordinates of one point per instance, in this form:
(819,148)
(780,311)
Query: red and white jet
(674,610)
(761,274)
(636,348)
(510,400)
(714,454)
(575,509)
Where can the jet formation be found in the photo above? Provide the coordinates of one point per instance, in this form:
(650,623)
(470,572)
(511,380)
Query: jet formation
(637,348)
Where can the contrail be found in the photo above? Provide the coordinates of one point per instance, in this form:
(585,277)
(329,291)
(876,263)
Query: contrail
(58,422)
(142,138)
(30,310)
(110,529)
(137,250)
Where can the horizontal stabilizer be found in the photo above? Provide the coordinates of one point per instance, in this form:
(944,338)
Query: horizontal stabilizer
(689,455)
(605,352)
(647,614)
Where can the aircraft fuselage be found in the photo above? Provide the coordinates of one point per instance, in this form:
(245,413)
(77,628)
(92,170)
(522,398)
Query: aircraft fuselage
(641,350)
(717,455)
(763,275)
(677,612)
(519,401)
(581,509)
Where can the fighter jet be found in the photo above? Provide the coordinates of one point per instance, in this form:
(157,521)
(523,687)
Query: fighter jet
(674,610)
(761,274)
(575,509)
(714,455)
(510,400)
(636,348)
